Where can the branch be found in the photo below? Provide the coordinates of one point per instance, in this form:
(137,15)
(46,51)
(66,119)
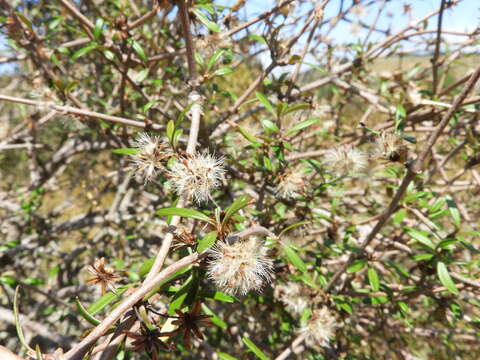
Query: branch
(79,350)
(81,112)
(196,111)
(412,171)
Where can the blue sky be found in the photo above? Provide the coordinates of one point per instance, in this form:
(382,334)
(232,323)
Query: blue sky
(463,17)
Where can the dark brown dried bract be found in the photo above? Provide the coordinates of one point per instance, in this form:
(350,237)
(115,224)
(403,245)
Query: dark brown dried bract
(189,323)
(148,340)
(103,275)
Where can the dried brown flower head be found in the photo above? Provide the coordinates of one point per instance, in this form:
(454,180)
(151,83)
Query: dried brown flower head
(189,323)
(103,275)
(148,340)
(181,236)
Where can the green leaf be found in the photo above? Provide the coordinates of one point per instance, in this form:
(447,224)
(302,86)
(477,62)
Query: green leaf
(447,243)
(208,23)
(400,116)
(38,352)
(84,313)
(423,257)
(146,266)
(207,242)
(259,353)
(267,163)
(269,125)
(187,213)
(176,137)
(127,151)
(98,29)
(214,58)
(106,299)
(357,265)
(292,226)
(445,278)
(170,130)
(410,139)
(221,296)
(258,38)
(294,259)
(16,317)
(239,203)
(109,54)
(296,107)
(215,319)
(85,50)
(138,50)
(263,99)
(400,269)
(223,71)
(225,356)
(248,136)
(302,125)
(180,296)
(373,279)
(421,237)
(453,209)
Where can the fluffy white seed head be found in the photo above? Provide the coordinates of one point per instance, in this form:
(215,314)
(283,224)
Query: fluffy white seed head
(152,153)
(292,295)
(196,176)
(321,327)
(345,159)
(390,146)
(291,184)
(241,267)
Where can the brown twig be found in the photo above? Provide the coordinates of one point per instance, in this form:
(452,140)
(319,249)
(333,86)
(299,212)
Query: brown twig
(412,171)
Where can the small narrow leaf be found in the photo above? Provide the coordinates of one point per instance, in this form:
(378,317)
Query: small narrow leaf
(223,71)
(248,136)
(269,125)
(297,107)
(209,24)
(139,50)
(445,278)
(294,258)
(400,116)
(239,203)
(207,242)
(421,237)
(84,313)
(85,50)
(215,319)
(453,209)
(16,317)
(357,265)
(106,299)
(259,353)
(127,151)
(188,213)
(373,279)
(170,130)
(263,99)
(214,58)
(225,356)
(258,38)
(292,226)
(302,125)
(98,29)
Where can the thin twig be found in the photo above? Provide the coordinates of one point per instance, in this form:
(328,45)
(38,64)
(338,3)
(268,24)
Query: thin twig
(412,171)
(437,49)
(79,350)
(81,112)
